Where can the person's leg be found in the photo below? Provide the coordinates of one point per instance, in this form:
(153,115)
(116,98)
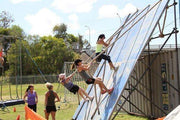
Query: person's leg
(105,57)
(80,93)
(53,114)
(98,59)
(101,84)
(34,108)
(31,107)
(46,115)
(47,112)
(111,65)
(84,92)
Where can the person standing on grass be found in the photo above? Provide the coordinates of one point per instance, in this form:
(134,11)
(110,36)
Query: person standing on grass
(32,98)
(65,81)
(50,101)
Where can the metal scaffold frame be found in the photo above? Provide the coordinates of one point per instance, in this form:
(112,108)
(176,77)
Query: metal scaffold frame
(19,71)
(18,79)
(131,88)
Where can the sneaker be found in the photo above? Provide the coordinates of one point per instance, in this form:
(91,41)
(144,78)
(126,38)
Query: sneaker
(110,90)
(116,68)
(103,92)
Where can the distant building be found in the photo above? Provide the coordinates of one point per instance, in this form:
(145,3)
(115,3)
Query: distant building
(153,84)
(76,47)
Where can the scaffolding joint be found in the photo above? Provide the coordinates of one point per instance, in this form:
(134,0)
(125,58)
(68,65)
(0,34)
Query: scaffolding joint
(161,35)
(175,3)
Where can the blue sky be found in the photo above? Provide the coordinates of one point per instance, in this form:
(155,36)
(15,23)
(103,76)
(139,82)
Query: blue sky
(39,16)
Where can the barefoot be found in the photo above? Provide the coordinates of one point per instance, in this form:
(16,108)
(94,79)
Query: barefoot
(85,99)
(110,90)
(91,98)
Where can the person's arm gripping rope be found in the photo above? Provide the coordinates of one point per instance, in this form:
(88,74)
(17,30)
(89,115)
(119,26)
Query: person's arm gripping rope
(69,77)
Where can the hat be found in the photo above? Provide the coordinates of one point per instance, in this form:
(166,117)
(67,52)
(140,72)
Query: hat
(61,75)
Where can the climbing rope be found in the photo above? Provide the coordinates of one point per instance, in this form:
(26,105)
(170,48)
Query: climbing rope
(44,78)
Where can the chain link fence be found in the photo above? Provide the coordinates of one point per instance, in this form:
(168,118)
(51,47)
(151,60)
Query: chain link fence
(13,87)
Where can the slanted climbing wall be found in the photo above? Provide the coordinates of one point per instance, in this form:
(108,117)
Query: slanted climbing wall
(129,41)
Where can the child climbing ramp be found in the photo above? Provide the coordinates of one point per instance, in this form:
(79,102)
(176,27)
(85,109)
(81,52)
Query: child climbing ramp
(82,68)
(65,81)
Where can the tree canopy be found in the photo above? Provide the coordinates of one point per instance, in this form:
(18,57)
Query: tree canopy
(60,31)
(5,19)
(49,52)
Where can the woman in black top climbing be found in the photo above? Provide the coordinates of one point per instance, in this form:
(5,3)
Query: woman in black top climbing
(99,47)
(65,81)
(82,68)
(50,106)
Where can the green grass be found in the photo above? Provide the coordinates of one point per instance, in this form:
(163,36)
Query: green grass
(65,113)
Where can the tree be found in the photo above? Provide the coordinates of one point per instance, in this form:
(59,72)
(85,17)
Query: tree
(60,31)
(4,31)
(17,31)
(71,38)
(5,19)
(48,52)
(33,38)
(14,32)
(13,59)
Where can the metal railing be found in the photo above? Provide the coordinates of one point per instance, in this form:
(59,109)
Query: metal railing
(167,46)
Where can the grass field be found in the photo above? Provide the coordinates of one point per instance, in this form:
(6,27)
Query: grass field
(65,113)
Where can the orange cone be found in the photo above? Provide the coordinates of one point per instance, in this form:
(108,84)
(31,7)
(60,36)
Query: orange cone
(161,118)
(18,117)
(14,109)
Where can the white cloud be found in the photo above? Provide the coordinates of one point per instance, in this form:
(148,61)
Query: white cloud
(110,11)
(43,22)
(74,25)
(70,6)
(73,17)
(19,1)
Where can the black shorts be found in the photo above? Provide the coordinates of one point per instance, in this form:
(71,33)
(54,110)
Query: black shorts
(50,109)
(74,89)
(33,107)
(90,81)
(103,56)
